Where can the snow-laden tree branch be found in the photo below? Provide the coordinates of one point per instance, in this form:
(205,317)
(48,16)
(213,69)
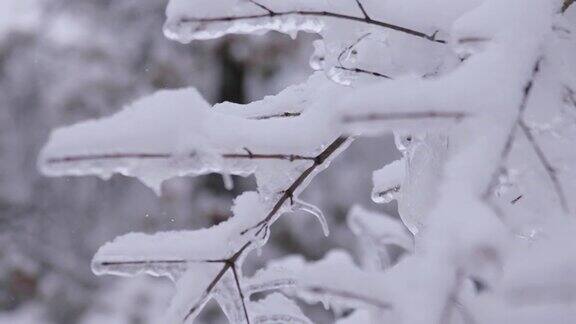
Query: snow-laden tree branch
(202,22)
(483,116)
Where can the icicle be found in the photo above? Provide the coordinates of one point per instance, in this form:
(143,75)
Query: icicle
(325,302)
(293,34)
(316,212)
(228,181)
(153,183)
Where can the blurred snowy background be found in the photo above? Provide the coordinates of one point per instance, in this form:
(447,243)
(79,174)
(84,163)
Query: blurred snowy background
(62,61)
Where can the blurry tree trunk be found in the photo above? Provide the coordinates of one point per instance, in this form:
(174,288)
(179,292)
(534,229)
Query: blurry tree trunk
(232,74)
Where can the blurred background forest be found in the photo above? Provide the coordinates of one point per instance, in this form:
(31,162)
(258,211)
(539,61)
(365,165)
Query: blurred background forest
(62,61)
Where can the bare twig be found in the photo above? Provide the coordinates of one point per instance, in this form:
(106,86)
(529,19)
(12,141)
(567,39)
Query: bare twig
(351,46)
(108,156)
(550,170)
(393,190)
(228,264)
(313,13)
(517,199)
(467,40)
(362,71)
(240,292)
(252,156)
(341,66)
(164,156)
(288,194)
(279,115)
(512,134)
(261,6)
(146,262)
(391,116)
(363,10)
(209,289)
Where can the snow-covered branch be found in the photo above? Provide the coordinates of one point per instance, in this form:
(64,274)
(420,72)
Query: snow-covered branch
(470,189)
(201,22)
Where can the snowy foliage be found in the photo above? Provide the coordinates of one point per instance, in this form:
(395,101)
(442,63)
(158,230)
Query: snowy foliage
(481,96)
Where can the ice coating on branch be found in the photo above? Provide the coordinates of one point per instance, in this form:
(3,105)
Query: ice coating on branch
(424,164)
(276,308)
(377,232)
(314,211)
(167,253)
(185,19)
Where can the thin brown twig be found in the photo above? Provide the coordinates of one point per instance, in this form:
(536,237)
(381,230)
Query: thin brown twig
(516,200)
(166,262)
(261,6)
(279,115)
(228,263)
(146,262)
(363,10)
(351,46)
(550,170)
(362,71)
(392,190)
(252,156)
(512,134)
(108,156)
(405,116)
(240,292)
(164,156)
(208,290)
(341,66)
(288,194)
(548,167)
